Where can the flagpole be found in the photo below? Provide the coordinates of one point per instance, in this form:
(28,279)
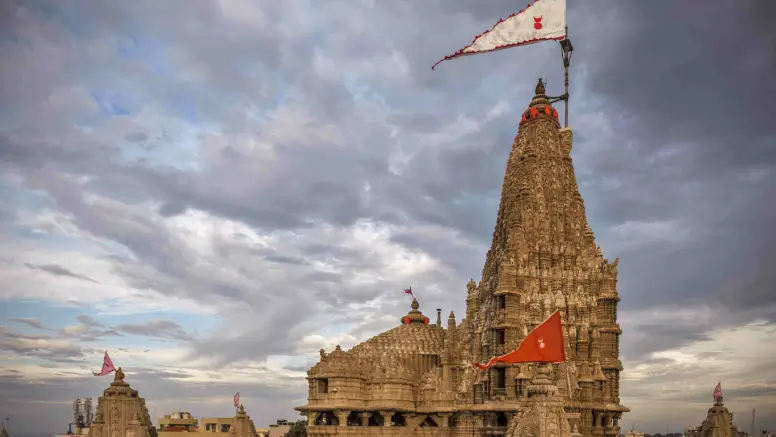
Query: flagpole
(566,49)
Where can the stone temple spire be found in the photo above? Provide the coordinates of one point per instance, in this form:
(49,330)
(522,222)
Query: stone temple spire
(544,258)
(718,422)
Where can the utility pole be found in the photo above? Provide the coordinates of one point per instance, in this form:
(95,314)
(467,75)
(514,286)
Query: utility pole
(751,430)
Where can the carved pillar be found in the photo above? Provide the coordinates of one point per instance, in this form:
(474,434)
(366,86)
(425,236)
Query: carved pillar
(364,416)
(386,417)
(342,417)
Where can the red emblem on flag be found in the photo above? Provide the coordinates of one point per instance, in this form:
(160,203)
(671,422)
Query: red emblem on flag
(538,23)
(544,344)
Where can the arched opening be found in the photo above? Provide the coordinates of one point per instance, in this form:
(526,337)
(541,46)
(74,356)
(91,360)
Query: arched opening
(428,422)
(354,419)
(398,420)
(376,419)
(327,418)
(501,419)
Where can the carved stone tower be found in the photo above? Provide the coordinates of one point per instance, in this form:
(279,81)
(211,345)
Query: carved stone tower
(121,412)
(718,422)
(544,258)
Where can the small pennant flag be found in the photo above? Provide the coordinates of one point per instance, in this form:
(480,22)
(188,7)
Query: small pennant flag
(718,392)
(237,399)
(409,291)
(107,366)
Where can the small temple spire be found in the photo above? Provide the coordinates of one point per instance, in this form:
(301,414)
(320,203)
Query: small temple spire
(414,316)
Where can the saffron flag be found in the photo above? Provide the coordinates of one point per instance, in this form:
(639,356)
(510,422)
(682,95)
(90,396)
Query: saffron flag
(237,399)
(409,291)
(544,344)
(107,366)
(540,21)
(717,392)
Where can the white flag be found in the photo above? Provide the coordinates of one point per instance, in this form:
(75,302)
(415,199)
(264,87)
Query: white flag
(540,21)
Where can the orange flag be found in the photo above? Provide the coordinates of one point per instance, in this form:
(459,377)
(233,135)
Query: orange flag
(542,345)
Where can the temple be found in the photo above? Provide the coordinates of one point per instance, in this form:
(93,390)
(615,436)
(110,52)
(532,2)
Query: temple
(121,412)
(419,377)
(718,423)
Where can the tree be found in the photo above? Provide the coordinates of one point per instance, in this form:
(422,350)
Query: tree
(298,429)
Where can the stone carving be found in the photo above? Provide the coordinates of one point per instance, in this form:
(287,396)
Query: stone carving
(543,258)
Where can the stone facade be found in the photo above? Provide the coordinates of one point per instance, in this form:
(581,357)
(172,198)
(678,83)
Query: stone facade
(121,412)
(418,379)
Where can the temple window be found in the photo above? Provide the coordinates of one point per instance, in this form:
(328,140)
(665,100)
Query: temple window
(323,386)
(398,420)
(326,418)
(354,419)
(428,422)
(224,428)
(501,336)
(502,301)
(500,380)
(501,419)
(376,419)
(519,388)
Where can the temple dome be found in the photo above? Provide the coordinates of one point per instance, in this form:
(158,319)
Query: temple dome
(413,337)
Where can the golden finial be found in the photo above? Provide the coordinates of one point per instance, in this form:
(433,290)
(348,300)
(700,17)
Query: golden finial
(540,91)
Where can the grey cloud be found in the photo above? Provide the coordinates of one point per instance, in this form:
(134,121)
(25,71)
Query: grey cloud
(29,321)
(136,137)
(41,347)
(57,270)
(88,321)
(156,328)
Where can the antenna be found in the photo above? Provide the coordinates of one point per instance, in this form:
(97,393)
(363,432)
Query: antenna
(77,412)
(88,416)
(751,430)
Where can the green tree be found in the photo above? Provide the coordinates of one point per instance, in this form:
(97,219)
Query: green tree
(298,429)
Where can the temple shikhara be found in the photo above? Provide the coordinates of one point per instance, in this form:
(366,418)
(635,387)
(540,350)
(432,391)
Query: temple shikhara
(121,412)
(418,379)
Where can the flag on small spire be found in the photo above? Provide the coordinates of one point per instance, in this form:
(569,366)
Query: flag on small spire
(718,392)
(107,366)
(237,399)
(409,291)
(545,344)
(540,21)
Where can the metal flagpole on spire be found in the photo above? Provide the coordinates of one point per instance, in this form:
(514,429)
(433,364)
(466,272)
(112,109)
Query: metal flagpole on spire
(566,49)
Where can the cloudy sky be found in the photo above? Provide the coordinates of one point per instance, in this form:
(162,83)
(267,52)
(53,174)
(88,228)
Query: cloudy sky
(215,191)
